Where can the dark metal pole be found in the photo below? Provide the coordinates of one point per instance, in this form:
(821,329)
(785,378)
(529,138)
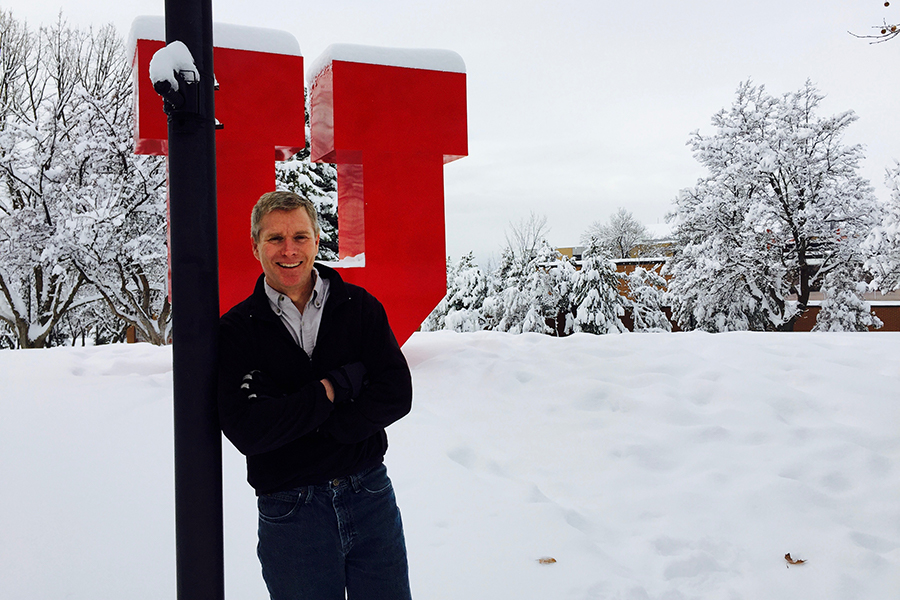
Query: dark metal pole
(195,303)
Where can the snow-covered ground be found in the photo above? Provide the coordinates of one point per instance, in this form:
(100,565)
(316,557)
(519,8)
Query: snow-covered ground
(662,466)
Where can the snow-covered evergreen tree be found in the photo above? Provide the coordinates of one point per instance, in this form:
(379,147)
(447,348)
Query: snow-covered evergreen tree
(646,299)
(513,301)
(516,302)
(564,275)
(436,320)
(844,308)
(492,308)
(782,204)
(318,183)
(529,291)
(543,302)
(503,289)
(595,295)
(467,287)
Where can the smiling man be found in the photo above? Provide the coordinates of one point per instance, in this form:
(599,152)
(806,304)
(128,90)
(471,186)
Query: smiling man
(310,374)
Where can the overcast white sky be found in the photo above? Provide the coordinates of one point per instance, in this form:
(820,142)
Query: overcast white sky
(577,107)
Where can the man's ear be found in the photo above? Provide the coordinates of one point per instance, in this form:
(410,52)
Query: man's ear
(254,246)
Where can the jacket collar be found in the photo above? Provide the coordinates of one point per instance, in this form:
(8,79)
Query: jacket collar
(337,290)
(337,293)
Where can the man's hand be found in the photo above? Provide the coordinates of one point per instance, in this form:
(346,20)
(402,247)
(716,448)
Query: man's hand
(255,384)
(347,381)
(329,389)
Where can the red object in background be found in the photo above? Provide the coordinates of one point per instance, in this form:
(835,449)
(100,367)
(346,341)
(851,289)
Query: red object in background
(390,130)
(260,104)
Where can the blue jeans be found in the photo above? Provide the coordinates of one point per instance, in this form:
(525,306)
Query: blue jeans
(316,542)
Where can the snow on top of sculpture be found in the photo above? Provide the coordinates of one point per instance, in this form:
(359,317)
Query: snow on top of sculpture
(236,37)
(410,58)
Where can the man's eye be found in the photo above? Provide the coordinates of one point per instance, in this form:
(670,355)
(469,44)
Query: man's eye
(276,239)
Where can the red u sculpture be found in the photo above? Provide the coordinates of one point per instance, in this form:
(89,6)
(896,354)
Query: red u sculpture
(389,118)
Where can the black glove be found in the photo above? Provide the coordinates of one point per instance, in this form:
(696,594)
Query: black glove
(255,384)
(347,381)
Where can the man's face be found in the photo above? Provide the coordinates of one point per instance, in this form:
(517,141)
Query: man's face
(286,250)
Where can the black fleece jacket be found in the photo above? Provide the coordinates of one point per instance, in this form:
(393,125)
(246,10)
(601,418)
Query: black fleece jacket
(297,436)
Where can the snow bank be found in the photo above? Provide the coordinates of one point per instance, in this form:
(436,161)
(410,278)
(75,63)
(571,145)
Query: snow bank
(660,466)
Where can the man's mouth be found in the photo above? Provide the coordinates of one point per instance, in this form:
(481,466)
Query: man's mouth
(288,265)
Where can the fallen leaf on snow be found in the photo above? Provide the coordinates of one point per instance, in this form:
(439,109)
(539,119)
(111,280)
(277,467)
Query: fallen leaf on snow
(546,560)
(791,561)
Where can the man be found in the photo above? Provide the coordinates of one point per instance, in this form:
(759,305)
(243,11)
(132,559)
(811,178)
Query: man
(310,374)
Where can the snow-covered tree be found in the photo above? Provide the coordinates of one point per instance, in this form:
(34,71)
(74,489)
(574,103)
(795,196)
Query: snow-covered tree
(727,274)
(514,286)
(547,290)
(520,294)
(492,308)
(597,303)
(619,236)
(646,299)
(91,323)
(530,291)
(467,287)
(564,275)
(7,337)
(525,239)
(131,276)
(81,217)
(886,31)
(40,92)
(844,308)
(783,204)
(436,320)
(884,241)
(120,245)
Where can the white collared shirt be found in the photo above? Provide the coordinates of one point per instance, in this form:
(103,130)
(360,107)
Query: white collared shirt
(303,327)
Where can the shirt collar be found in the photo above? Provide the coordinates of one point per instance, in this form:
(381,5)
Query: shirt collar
(276,298)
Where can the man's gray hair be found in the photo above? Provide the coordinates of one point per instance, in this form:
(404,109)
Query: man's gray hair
(286,201)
